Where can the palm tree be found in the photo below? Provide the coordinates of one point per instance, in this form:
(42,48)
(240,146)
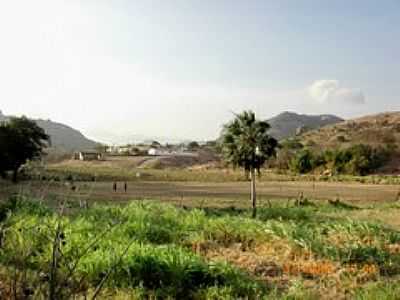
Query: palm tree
(246,144)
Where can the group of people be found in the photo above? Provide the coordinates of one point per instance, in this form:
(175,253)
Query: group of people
(115,186)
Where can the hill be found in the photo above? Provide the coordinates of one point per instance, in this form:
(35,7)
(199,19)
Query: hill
(63,137)
(381,129)
(287,124)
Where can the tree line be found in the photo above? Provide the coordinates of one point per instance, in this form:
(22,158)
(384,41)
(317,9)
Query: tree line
(359,159)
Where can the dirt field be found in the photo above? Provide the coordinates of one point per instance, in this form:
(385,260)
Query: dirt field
(102,191)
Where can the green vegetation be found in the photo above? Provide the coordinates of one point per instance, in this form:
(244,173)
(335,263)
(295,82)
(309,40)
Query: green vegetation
(150,250)
(246,144)
(21,140)
(355,160)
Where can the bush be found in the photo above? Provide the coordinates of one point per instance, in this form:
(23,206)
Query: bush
(305,161)
(18,203)
(357,160)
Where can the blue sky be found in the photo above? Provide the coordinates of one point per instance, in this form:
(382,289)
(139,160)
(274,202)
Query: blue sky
(179,68)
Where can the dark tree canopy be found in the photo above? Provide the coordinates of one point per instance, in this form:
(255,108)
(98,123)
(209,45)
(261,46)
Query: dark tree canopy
(193,145)
(246,143)
(155,144)
(21,140)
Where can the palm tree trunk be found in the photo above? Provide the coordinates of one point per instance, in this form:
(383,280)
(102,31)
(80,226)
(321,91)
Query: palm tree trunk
(253,191)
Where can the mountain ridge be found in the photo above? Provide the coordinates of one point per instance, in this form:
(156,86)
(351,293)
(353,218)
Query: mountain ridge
(63,137)
(288,124)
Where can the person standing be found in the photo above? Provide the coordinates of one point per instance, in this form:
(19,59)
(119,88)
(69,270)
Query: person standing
(115,186)
(125,186)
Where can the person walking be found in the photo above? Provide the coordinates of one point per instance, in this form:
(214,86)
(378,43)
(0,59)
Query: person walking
(125,186)
(115,187)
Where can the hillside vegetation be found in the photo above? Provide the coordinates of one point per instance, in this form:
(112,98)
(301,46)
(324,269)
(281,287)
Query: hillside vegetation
(381,131)
(375,130)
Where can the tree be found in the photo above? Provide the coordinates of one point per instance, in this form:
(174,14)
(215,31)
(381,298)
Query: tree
(21,140)
(5,159)
(302,162)
(155,144)
(246,144)
(193,145)
(101,148)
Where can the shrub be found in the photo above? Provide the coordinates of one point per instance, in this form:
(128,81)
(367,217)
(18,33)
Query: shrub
(357,160)
(18,203)
(305,161)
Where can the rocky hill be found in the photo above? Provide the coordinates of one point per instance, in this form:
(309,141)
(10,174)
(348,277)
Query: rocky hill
(63,137)
(288,124)
(380,129)
(376,130)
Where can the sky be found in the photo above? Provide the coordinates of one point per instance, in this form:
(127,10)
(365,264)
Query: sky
(181,68)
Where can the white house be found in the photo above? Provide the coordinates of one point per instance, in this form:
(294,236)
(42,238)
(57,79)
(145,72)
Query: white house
(154,152)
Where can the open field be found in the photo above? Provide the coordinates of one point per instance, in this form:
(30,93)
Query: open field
(204,190)
(126,168)
(318,250)
(188,234)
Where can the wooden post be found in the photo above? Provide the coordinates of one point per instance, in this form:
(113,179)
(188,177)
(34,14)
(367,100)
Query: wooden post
(253,191)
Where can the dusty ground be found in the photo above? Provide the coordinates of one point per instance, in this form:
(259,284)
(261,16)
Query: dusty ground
(223,192)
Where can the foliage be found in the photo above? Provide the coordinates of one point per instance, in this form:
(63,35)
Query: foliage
(193,145)
(148,250)
(21,140)
(292,144)
(285,154)
(246,142)
(359,159)
(305,161)
(155,144)
(356,160)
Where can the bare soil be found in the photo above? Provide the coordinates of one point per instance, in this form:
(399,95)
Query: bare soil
(220,192)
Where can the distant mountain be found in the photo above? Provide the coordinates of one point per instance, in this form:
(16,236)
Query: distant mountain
(115,138)
(288,124)
(63,137)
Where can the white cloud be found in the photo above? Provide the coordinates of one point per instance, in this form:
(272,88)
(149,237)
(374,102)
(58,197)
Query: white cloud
(324,91)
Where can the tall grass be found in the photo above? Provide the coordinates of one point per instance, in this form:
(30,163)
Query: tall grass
(147,249)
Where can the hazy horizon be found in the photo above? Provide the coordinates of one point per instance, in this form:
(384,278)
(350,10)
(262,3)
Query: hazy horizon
(179,69)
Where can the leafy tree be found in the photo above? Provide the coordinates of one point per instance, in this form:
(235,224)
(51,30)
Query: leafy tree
(155,144)
(193,145)
(306,161)
(21,140)
(365,159)
(101,148)
(246,144)
(5,159)
(302,162)
(292,144)
(287,151)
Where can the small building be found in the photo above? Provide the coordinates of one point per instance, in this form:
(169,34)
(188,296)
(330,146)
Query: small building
(87,155)
(124,150)
(159,152)
(154,152)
